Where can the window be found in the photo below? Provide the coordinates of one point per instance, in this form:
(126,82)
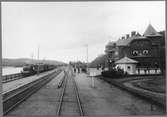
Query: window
(145,52)
(135,53)
(128,67)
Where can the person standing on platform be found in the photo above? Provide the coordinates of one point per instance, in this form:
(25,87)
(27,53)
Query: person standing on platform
(74,70)
(78,70)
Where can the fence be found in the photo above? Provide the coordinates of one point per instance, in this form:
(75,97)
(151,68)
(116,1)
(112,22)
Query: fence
(7,78)
(148,71)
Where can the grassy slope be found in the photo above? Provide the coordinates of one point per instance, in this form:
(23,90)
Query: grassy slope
(156,85)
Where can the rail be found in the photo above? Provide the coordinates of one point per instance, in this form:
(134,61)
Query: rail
(61,97)
(63,93)
(78,98)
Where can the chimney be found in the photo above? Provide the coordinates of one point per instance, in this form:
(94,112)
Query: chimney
(138,34)
(127,36)
(133,33)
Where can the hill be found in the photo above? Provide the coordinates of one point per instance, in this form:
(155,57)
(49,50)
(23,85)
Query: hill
(22,61)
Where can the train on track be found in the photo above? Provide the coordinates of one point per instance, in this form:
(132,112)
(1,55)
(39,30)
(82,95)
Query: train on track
(32,69)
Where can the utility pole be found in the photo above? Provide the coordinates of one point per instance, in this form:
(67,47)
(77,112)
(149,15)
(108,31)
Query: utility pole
(87,56)
(1,100)
(38,62)
(32,55)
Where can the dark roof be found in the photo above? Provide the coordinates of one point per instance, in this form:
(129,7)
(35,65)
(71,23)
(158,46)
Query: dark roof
(150,31)
(125,42)
(111,43)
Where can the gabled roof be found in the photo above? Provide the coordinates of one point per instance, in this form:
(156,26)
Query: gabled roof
(126,60)
(150,31)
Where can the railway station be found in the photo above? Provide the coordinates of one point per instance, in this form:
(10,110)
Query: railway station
(77,89)
(82,60)
(62,92)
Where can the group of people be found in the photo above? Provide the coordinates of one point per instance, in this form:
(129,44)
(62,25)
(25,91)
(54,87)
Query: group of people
(77,70)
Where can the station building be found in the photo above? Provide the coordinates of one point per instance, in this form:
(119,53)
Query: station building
(147,49)
(127,64)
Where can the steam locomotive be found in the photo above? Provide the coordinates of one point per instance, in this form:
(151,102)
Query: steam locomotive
(32,69)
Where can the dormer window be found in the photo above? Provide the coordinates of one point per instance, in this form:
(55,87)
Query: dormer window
(145,51)
(135,53)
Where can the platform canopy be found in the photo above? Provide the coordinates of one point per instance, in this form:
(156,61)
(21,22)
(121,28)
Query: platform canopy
(126,60)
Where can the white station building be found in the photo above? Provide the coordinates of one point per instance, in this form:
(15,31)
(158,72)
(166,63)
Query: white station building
(127,64)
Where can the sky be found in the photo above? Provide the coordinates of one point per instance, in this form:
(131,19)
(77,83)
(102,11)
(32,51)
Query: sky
(61,30)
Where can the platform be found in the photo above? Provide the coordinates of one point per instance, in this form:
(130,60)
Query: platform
(20,82)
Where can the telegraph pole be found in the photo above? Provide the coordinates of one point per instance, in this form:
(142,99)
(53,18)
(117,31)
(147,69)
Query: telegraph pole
(38,62)
(87,56)
(1,91)
(1,100)
(32,55)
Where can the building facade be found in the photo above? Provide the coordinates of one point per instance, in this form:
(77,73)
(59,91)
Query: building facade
(148,49)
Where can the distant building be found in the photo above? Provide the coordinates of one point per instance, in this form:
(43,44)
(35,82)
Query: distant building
(148,49)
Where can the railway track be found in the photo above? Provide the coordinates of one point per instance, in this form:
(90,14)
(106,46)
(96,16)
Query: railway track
(69,102)
(13,98)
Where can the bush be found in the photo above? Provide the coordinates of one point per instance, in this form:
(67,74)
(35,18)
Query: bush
(84,70)
(114,73)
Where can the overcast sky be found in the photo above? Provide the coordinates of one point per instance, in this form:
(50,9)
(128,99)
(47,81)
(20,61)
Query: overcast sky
(62,29)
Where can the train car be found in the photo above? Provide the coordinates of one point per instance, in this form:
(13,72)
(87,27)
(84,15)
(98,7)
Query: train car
(32,69)
(40,68)
(50,67)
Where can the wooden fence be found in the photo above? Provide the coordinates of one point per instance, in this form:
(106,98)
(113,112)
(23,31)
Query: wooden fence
(11,77)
